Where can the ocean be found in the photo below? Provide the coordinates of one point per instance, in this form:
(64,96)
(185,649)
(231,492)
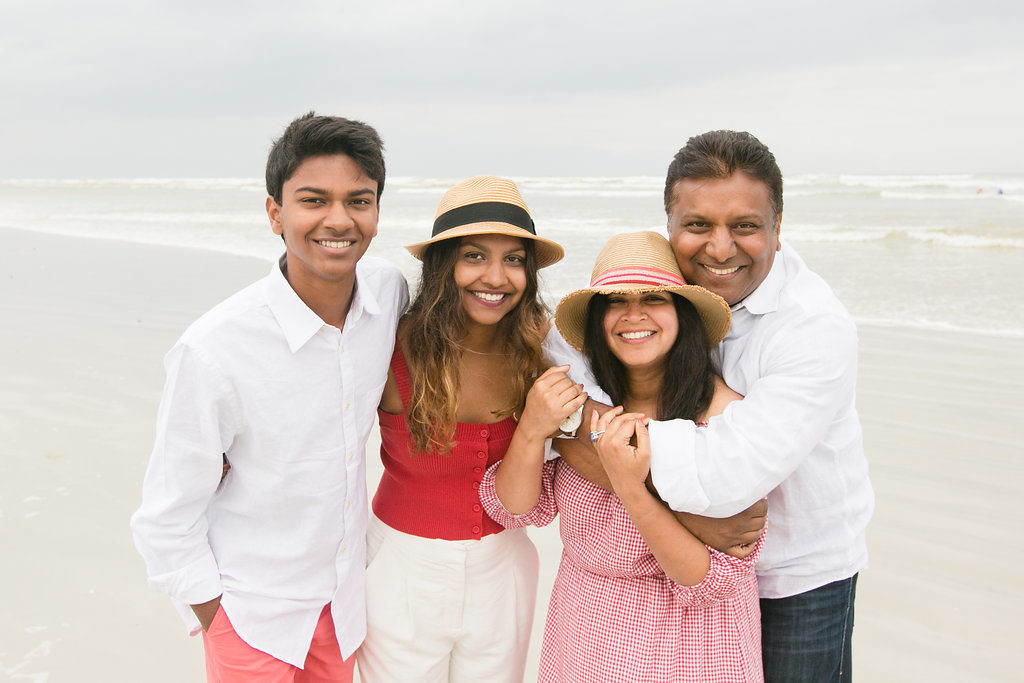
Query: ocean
(943,252)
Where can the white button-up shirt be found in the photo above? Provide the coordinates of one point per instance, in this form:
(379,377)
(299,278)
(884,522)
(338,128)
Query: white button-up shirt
(795,437)
(291,402)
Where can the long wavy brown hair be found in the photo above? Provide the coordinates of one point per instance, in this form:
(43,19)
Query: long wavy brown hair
(432,332)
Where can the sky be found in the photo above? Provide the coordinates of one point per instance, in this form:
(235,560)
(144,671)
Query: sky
(132,88)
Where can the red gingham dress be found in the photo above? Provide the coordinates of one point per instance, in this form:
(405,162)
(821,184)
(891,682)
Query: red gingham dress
(614,615)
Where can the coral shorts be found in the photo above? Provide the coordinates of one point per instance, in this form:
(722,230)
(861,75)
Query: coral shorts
(229,659)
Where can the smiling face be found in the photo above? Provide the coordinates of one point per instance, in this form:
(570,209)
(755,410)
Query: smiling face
(724,233)
(490,272)
(327,216)
(640,328)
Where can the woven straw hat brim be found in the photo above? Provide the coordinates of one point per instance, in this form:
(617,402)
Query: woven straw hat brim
(548,251)
(571,314)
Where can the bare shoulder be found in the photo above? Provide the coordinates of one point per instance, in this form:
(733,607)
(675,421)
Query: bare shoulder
(723,396)
(391,399)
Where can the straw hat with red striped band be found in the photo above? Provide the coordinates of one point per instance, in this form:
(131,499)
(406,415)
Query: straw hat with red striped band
(485,205)
(639,262)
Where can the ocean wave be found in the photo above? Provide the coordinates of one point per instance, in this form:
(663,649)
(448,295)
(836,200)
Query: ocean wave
(552,184)
(964,240)
(837,236)
(941,326)
(167,218)
(908,180)
(244,184)
(968,239)
(917,186)
(989,195)
(267,249)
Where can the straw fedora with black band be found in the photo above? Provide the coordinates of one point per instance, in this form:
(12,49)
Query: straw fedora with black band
(485,205)
(639,262)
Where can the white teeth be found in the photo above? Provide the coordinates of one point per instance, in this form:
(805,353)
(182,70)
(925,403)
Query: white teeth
(489,297)
(723,271)
(636,335)
(335,245)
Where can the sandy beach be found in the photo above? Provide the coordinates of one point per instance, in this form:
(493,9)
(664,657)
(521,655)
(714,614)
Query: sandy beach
(86,324)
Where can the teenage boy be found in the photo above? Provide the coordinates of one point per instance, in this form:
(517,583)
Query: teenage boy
(282,379)
(795,437)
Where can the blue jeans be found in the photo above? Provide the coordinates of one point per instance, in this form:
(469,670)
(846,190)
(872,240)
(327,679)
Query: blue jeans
(807,637)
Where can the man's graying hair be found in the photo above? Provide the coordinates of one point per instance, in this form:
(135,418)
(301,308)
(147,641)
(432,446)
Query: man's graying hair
(719,154)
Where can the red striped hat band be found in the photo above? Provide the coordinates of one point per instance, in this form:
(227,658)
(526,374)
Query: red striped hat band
(638,275)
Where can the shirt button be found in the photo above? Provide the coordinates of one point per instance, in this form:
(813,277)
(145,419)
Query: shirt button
(481,454)
(342,551)
(347,406)
(476,484)
(351,457)
(476,508)
(476,529)
(341,348)
(348,504)
(478,470)
(484,433)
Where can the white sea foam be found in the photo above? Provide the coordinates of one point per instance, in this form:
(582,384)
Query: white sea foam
(940,326)
(242,184)
(170,218)
(963,240)
(866,234)
(837,236)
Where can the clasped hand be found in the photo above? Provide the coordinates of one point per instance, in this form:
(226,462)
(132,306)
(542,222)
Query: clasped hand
(553,397)
(626,464)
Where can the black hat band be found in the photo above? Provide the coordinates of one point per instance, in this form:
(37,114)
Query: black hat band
(484,212)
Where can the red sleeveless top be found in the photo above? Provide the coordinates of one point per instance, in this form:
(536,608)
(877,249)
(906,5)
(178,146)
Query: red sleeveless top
(433,495)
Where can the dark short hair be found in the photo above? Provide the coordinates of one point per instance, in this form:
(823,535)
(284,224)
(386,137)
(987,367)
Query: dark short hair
(689,382)
(311,135)
(719,154)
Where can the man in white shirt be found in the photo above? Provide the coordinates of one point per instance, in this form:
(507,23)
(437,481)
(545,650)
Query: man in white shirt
(795,437)
(281,382)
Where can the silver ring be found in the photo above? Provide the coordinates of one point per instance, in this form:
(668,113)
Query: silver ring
(594,436)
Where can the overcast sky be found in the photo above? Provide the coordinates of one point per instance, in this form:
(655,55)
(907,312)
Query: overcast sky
(129,88)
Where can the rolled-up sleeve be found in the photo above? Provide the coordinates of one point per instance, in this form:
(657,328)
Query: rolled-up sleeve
(726,576)
(542,514)
(806,377)
(196,423)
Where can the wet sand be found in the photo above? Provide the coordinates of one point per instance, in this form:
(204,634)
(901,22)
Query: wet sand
(86,324)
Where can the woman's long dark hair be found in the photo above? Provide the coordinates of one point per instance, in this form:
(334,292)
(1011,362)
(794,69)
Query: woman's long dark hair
(688,383)
(432,331)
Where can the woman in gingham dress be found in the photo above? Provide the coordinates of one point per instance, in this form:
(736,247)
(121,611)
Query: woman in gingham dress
(637,597)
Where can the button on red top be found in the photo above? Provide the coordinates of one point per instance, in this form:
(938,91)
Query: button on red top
(476,508)
(432,494)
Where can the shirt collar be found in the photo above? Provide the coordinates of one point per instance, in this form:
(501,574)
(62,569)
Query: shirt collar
(765,298)
(297,320)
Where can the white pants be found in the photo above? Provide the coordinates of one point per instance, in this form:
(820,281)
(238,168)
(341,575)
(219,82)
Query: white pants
(447,610)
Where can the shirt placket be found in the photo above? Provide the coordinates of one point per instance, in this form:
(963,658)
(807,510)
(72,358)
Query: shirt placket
(479,467)
(346,376)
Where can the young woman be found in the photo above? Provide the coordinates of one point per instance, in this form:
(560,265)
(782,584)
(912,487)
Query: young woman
(637,597)
(450,593)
